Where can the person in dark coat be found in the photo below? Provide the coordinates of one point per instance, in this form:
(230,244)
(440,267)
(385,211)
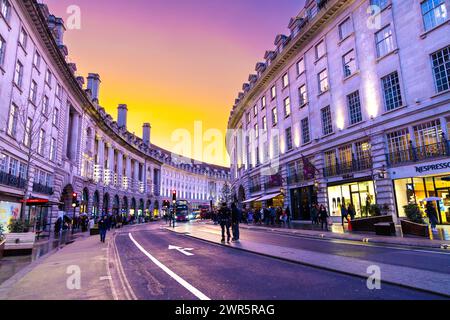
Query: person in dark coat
(351,211)
(224,219)
(103,228)
(235,219)
(288,216)
(344,214)
(323,215)
(432,215)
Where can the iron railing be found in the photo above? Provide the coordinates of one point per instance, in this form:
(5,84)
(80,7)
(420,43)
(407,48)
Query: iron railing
(421,153)
(42,189)
(255,188)
(10,180)
(348,167)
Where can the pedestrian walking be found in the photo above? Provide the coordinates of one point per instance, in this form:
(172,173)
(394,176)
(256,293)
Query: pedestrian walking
(235,219)
(103,228)
(344,214)
(314,214)
(224,219)
(432,215)
(272,214)
(351,211)
(249,217)
(323,215)
(288,216)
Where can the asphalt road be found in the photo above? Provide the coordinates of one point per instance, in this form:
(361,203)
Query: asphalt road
(220,273)
(431,260)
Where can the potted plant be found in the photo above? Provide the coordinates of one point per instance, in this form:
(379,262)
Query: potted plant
(2,240)
(414,224)
(19,237)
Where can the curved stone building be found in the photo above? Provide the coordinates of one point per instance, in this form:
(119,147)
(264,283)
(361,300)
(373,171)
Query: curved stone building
(57,141)
(352,107)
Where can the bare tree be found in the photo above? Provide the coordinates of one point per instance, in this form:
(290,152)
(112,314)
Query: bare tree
(31,120)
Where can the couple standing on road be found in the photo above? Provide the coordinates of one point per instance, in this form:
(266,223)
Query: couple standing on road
(229,218)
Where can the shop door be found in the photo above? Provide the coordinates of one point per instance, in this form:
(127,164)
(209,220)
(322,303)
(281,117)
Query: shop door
(295,195)
(444,205)
(305,204)
(356,201)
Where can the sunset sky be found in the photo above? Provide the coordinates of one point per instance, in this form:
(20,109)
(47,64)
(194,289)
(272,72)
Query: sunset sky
(173,62)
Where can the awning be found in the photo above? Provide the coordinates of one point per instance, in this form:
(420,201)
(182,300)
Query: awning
(251,200)
(270,196)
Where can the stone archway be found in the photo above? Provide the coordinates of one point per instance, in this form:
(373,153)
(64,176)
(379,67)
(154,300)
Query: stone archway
(133,206)
(66,199)
(84,204)
(96,205)
(125,206)
(116,205)
(106,200)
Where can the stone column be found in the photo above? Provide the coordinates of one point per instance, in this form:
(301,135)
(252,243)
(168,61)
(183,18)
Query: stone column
(111,158)
(101,157)
(136,175)
(75,137)
(128,171)
(119,167)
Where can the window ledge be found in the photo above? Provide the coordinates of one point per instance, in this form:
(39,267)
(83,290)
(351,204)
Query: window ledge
(351,76)
(17,87)
(25,51)
(394,110)
(300,74)
(356,124)
(2,70)
(306,144)
(425,33)
(440,93)
(346,37)
(303,105)
(6,21)
(318,59)
(395,51)
(323,92)
(327,135)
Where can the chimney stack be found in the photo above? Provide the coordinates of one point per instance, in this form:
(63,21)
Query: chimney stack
(94,85)
(146,129)
(122,110)
(57,26)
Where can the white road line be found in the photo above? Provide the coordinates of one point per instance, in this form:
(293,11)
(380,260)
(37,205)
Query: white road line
(176,277)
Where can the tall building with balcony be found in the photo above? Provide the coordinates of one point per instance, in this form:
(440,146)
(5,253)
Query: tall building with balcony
(55,137)
(353,106)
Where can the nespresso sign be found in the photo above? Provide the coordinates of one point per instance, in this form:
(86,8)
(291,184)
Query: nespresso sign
(433,167)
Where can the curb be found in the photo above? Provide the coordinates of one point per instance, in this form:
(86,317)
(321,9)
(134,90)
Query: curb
(368,239)
(311,265)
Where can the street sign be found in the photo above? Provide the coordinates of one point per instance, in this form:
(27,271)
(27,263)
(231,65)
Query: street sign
(182,250)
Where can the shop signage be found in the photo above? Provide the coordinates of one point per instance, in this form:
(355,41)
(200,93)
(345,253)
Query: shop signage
(433,167)
(348,176)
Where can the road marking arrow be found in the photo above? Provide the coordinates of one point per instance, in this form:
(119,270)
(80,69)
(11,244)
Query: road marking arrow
(182,250)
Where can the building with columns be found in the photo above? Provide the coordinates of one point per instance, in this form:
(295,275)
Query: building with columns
(353,106)
(56,139)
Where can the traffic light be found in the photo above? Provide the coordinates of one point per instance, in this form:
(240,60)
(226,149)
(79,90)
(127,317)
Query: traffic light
(75,202)
(174,195)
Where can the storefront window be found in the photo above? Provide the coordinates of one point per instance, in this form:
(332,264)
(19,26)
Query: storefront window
(360,194)
(416,190)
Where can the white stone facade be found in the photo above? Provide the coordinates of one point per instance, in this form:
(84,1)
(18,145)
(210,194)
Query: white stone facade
(81,148)
(387,69)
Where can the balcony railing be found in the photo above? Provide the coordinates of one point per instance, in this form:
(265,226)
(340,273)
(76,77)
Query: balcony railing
(421,153)
(348,167)
(255,188)
(39,188)
(10,180)
(273,184)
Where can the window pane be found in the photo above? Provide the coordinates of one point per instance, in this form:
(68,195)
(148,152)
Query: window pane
(391,90)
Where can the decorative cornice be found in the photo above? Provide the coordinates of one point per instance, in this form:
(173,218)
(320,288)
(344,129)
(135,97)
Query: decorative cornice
(290,51)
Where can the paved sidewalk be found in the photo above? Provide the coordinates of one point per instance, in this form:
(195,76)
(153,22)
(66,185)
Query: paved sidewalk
(413,278)
(46,278)
(359,237)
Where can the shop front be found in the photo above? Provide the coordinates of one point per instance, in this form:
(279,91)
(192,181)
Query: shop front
(419,184)
(275,200)
(302,200)
(358,192)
